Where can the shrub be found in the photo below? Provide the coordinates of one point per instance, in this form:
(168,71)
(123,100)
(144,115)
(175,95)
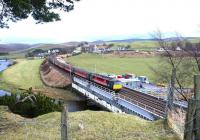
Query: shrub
(27,108)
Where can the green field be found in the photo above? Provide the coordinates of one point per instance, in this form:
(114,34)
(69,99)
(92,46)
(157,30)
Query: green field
(144,45)
(194,40)
(14,55)
(137,45)
(114,64)
(96,126)
(24,74)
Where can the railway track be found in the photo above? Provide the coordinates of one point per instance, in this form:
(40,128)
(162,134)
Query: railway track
(150,103)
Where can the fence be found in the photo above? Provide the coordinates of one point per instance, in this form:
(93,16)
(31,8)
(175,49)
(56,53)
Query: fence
(48,127)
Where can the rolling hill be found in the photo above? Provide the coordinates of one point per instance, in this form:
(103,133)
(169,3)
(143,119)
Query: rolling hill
(13,47)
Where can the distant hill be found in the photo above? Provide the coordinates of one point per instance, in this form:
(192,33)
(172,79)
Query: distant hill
(142,40)
(130,40)
(72,43)
(97,42)
(27,47)
(13,47)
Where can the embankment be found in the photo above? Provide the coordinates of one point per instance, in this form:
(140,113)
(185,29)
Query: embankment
(53,77)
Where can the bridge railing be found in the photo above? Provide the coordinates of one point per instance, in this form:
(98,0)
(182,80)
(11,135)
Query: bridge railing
(146,107)
(97,85)
(117,96)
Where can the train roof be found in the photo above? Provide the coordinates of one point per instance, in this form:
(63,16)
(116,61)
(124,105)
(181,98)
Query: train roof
(128,80)
(80,69)
(105,77)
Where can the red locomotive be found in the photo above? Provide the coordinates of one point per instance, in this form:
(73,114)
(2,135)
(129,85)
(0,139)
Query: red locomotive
(108,82)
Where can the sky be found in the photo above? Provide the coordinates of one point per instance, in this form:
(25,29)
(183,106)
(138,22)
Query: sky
(110,19)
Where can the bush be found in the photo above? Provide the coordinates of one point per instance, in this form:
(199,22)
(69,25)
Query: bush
(41,105)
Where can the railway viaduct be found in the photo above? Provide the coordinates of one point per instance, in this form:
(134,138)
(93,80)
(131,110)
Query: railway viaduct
(126,101)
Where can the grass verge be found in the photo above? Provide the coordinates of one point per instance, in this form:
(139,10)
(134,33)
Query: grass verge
(96,125)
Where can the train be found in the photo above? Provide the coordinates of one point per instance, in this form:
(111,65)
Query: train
(108,82)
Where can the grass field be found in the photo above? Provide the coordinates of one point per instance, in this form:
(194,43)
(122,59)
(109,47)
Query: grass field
(25,74)
(137,45)
(96,126)
(145,45)
(115,65)
(14,55)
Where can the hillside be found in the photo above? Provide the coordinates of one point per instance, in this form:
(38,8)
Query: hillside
(94,126)
(51,46)
(13,47)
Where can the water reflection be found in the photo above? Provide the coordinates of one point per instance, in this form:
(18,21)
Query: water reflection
(3,93)
(74,106)
(4,64)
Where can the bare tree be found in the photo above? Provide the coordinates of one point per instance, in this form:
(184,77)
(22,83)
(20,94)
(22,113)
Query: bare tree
(183,64)
(172,60)
(193,51)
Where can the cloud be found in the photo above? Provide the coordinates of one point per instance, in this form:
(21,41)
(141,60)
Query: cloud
(109,19)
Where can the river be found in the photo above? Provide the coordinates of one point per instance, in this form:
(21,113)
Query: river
(4,65)
(75,101)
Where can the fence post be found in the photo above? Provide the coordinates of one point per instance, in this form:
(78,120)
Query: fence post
(197,113)
(64,121)
(192,123)
(171,90)
(189,124)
